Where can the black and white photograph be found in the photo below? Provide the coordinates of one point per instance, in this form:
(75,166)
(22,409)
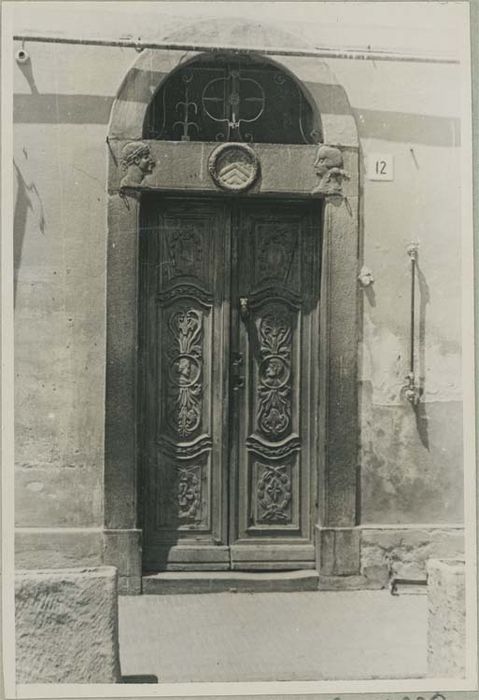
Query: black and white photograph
(238,349)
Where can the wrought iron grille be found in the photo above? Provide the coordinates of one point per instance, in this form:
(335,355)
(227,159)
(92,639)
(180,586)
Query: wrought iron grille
(231,101)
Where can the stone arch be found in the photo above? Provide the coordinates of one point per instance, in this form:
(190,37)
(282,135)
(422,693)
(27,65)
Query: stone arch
(337,539)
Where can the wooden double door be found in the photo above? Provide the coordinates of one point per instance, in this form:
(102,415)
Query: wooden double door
(228,383)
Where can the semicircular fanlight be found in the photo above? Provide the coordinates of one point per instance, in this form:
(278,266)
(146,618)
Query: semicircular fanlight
(225,100)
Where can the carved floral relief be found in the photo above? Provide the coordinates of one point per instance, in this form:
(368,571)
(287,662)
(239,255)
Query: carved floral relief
(188,492)
(179,496)
(276,254)
(274,492)
(185,251)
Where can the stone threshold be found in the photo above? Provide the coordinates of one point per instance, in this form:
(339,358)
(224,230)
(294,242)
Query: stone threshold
(179,582)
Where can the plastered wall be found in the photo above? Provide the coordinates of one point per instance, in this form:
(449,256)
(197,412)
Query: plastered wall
(61,109)
(411,461)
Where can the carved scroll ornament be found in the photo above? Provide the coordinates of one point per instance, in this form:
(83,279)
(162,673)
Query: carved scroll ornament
(184,378)
(274,386)
(136,162)
(329,169)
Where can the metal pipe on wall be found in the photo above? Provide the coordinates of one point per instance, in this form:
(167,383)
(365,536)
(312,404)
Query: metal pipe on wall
(411,390)
(139,45)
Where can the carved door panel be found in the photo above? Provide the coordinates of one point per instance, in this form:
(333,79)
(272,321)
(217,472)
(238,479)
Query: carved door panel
(228,390)
(275,329)
(184,351)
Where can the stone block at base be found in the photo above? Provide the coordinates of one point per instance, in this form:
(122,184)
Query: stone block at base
(446,618)
(66,626)
(372,556)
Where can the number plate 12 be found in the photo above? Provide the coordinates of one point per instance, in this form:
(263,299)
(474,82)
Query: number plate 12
(380,166)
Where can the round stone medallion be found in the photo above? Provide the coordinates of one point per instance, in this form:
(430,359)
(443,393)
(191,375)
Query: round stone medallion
(233,166)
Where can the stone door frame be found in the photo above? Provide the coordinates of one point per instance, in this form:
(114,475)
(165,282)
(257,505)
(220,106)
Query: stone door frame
(336,536)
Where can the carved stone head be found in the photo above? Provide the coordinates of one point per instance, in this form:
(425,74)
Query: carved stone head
(327,157)
(137,161)
(329,169)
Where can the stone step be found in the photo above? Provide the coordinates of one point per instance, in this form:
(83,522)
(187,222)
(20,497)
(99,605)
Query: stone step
(176,582)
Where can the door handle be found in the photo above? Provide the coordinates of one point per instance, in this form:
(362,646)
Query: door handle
(236,365)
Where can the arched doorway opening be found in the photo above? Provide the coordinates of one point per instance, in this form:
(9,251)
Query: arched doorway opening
(234,446)
(228,336)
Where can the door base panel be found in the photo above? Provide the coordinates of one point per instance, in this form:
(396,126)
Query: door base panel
(187,558)
(239,557)
(171,583)
(274,557)
(285,565)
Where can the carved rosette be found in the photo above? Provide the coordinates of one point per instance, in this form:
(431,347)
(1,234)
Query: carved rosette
(274,373)
(185,390)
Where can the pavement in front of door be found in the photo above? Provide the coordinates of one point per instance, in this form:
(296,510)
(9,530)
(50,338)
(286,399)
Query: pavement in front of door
(317,635)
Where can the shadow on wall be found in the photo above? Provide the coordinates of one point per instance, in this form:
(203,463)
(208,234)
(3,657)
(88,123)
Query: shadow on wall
(27,198)
(27,71)
(370,295)
(420,408)
(140,679)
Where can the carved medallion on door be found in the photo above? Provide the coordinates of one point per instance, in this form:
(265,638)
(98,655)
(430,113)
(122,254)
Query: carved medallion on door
(228,383)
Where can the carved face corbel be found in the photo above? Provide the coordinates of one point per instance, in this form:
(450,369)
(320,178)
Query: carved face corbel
(136,162)
(329,169)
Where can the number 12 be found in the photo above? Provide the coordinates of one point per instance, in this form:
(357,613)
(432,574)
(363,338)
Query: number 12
(381,167)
